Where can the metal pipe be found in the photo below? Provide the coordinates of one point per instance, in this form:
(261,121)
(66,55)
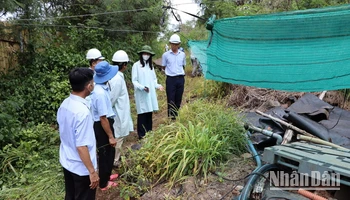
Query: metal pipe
(253,150)
(265,132)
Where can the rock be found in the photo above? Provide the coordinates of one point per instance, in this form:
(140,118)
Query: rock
(239,188)
(246,155)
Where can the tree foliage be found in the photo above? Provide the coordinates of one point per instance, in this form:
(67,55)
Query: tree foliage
(232,8)
(56,35)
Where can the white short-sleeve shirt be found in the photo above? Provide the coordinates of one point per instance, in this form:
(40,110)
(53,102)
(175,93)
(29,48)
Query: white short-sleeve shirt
(76,129)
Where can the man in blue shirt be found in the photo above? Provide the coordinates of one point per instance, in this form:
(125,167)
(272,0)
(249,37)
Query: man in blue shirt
(174,62)
(78,145)
(103,115)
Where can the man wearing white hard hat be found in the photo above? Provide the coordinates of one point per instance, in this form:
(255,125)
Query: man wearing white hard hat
(174,62)
(94,56)
(123,124)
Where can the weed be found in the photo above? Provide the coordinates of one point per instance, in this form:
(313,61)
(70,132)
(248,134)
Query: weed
(204,136)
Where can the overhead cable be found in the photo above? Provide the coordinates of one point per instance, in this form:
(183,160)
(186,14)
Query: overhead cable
(94,14)
(86,27)
(85,15)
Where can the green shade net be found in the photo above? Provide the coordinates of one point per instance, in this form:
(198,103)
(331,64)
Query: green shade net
(294,51)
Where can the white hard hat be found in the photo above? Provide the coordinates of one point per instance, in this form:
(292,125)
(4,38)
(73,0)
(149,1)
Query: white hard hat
(93,54)
(120,56)
(175,39)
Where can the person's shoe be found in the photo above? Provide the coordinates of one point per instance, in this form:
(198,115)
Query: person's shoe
(113,177)
(109,185)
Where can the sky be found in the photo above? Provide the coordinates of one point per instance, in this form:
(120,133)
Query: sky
(186,5)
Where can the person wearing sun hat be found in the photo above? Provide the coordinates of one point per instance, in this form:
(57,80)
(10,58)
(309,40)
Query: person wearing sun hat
(103,115)
(145,84)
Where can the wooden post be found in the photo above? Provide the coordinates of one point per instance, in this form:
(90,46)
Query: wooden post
(319,141)
(287,137)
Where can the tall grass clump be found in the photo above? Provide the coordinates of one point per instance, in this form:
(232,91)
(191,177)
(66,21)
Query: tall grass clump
(204,135)
(221,120)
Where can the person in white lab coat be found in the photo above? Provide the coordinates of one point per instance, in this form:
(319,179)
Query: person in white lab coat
(123,124)
(145,84)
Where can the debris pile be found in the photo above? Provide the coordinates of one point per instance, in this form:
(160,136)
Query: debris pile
(296,134)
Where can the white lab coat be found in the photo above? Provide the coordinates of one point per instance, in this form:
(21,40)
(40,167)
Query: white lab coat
(121,106)
(145,77)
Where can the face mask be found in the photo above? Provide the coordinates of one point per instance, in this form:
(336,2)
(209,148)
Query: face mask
(145,57)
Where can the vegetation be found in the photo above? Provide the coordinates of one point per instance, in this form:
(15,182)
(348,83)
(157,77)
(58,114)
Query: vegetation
(54,41)
(204,136)
(30,167)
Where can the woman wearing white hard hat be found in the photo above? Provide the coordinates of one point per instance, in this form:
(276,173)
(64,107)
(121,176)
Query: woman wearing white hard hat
(145,84)
(123,124)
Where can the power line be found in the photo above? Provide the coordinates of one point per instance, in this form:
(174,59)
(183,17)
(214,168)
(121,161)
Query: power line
(86,27)
(85,15)
(95,14)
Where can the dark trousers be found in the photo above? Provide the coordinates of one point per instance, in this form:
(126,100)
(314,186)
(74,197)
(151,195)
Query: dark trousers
(77,187)
(105,153)
(144,124)
(174,89)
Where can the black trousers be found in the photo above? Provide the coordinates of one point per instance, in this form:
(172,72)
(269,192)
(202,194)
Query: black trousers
(105,153)
(77,187)
(144,124)
(174,90)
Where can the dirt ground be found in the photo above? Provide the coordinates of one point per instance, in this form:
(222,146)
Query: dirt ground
(219,188)
(226,186)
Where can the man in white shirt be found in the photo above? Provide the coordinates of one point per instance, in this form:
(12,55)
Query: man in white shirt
(78,144)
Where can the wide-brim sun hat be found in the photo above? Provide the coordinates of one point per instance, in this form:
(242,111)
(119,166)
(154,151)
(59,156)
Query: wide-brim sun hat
(104,72)
(146,49)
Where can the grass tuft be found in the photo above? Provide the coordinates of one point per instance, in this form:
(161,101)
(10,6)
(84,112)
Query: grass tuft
(204,135)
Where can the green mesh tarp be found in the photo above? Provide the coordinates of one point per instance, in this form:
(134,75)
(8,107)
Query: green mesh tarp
(294,51)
